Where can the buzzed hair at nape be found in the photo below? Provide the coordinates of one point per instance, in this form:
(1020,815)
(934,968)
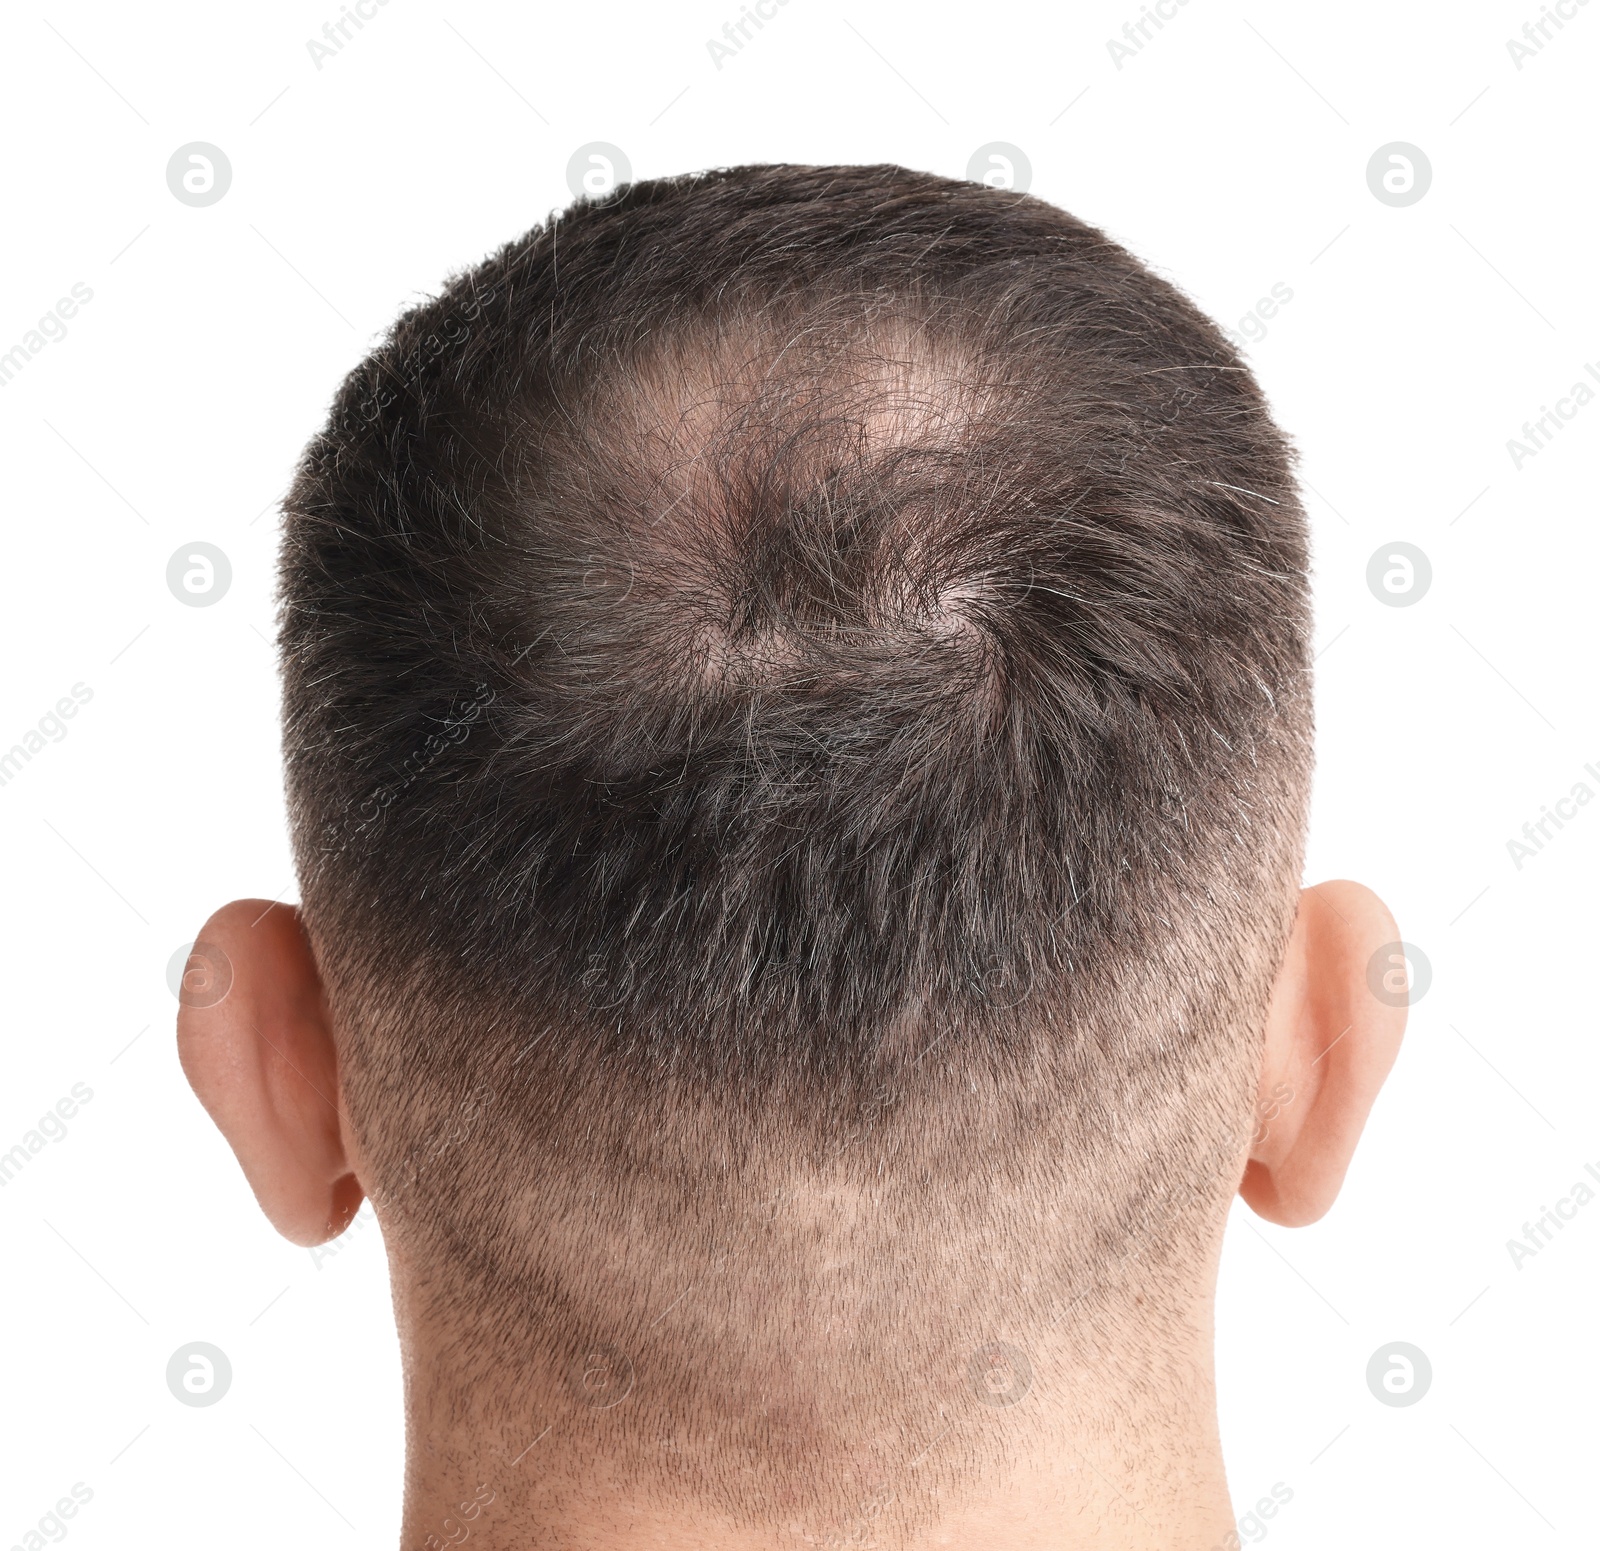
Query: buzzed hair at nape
(798,734)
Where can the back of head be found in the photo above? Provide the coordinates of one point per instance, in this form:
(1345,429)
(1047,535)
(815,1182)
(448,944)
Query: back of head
(798,736)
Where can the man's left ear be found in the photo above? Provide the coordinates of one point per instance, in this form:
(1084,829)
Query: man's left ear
(256,1044)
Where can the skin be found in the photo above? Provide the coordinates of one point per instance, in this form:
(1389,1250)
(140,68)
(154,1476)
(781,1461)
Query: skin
(263,1061)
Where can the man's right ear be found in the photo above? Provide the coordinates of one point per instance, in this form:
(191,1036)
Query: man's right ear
(1331,1039)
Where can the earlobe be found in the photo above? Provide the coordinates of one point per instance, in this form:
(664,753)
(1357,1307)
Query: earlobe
(1330,1043)
(257,1046)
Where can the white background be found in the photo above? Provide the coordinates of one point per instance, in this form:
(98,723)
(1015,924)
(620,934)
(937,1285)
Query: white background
(1230,153)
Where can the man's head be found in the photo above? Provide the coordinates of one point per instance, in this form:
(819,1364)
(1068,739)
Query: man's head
(798,730)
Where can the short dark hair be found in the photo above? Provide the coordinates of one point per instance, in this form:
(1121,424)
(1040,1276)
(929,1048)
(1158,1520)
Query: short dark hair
(793,663)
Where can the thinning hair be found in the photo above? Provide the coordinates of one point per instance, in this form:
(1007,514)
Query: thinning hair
(798,731)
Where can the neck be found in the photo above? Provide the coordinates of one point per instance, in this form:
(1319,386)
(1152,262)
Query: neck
(1141,1473)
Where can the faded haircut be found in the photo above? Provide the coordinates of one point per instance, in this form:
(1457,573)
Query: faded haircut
(798,733)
